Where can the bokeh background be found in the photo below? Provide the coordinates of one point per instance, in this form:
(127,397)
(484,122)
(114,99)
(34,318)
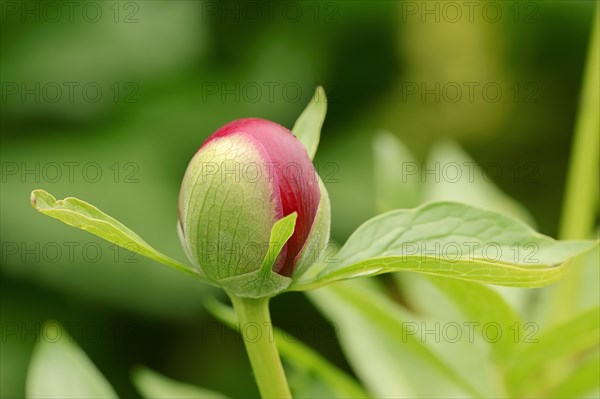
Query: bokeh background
(108,101)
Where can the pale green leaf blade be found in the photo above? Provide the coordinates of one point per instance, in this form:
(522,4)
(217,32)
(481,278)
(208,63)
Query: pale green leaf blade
(152,385)
(540,363)
(583,382)
(84,216)
(449,174)
(457,177)
(395,174)
(308,125)
(381,343)
(485,308)
(60,369)
(453,240)
(300,356)
(310,362)
(586,295)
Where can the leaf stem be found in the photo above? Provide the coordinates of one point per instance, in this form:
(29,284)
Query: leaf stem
(257,331)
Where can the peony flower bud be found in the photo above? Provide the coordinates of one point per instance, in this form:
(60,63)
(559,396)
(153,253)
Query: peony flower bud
(246,176)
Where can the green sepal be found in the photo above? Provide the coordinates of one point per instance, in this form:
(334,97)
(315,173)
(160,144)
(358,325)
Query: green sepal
(318,240)
(264,282)
(308,125)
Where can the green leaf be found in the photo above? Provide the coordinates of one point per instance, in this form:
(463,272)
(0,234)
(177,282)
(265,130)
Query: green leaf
(60,369)
(338,383)
(397,183)
(299,355)
(482,305)
(264,281)
(152,385)
(452,240)
(549,311)
(461,179)
(308,125)
(540,363)
(582,382)
(400,182)
(393,356)
(84,216)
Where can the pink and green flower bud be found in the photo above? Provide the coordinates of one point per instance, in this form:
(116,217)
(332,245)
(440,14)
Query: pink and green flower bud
(245,177)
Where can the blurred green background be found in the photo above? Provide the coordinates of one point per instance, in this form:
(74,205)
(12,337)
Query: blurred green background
(108,101)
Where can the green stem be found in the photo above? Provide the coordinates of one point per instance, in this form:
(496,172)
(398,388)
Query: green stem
(257,332)
(581,196)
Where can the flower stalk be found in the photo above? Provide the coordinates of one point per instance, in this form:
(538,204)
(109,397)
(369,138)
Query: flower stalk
(257,331)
